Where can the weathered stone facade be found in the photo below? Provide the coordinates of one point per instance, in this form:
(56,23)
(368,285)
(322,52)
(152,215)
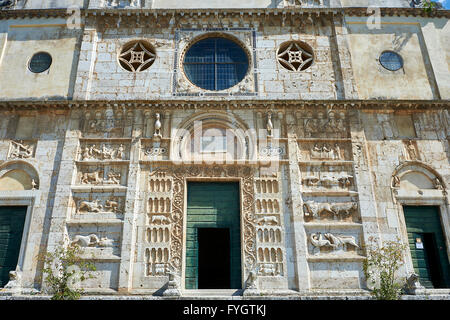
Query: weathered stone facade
(325,157)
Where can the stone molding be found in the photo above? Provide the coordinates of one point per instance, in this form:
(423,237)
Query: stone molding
(241,12)
(387,106)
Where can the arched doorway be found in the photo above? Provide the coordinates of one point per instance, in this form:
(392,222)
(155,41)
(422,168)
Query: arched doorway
(418,190)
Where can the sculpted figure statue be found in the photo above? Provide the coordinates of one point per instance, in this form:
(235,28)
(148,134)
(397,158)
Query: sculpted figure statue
(412,284)
(269,125)
(120,152)
(411,150)
(438,184)
(158,126)
(395,181)
(251,279)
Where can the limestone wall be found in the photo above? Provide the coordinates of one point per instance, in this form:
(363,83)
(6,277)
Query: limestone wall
(20,40)
(109,180)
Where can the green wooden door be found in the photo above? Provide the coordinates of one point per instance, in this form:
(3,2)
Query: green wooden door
(12,220)
(213,205)
(427,245)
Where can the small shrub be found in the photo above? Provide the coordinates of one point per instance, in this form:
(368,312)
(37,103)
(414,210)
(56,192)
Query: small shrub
(428,6)
(380,269)
(64,269)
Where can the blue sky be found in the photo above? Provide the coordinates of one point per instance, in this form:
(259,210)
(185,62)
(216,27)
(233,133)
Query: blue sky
(445,3)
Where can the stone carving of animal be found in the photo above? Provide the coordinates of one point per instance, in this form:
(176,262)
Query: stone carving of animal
(267,220)
(341,240)
(91,177)
(315,208)
(311,180)
(268,269)
(317,240)
(112,205)
(85,241)
(90,206)
(328,180)
(345,180)
(345,207)
(251,280)
(412,284)
(105,242)
(160,220)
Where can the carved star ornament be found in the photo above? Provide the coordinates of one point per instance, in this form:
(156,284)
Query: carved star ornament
(294,57)
(137,58)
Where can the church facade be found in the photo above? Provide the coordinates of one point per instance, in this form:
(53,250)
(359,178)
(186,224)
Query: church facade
(258,147)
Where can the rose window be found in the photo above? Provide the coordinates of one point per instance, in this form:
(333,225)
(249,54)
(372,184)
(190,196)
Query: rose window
(137,56)
(295,56)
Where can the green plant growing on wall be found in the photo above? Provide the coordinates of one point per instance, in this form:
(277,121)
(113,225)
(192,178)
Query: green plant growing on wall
(64,270)
(428,5)
(380,268)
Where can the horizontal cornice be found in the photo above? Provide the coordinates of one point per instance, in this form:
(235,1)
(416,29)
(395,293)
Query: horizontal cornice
(376,105)
(360,12)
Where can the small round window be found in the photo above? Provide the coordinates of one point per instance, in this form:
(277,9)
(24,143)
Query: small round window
(40,62)
(391,60)
(215,63)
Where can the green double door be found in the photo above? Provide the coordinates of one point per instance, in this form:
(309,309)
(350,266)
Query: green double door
(427,245)
(213,244)
(12,220)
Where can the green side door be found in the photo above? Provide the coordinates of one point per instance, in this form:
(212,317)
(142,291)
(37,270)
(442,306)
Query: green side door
(213,205)
(12,220)
(427,245)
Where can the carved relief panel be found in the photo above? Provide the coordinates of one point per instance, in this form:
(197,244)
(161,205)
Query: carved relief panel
(106,124)
(97,242)
(330,150)
(269,226)
(322,123)
(102,175)
(158,223)
(336,243)
(327,177)
(98,206)
(98,150)
(22,149)
(331,209)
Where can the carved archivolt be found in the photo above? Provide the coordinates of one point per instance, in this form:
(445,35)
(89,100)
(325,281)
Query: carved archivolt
(176,216)
(418,175)
(18,175)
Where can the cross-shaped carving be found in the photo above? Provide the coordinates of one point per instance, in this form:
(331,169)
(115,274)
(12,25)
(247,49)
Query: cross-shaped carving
(137,57)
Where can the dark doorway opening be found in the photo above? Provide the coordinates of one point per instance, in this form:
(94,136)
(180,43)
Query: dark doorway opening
(12,220)
(430,246)
(214,258)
